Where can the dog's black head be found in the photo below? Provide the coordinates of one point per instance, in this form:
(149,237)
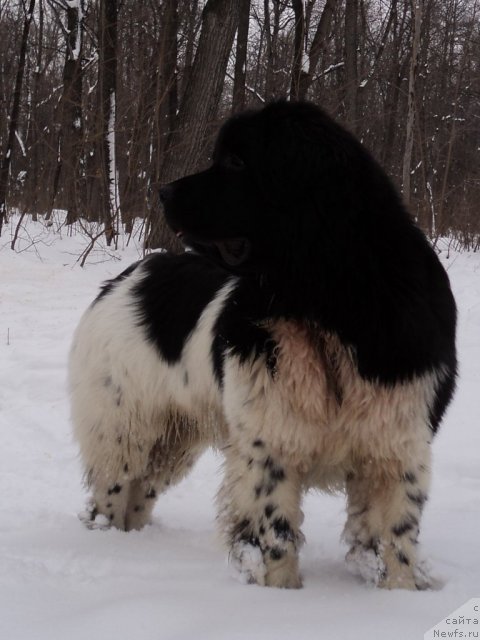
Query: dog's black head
(282,177)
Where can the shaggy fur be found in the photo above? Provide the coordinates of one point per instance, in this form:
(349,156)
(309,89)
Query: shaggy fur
(310,334)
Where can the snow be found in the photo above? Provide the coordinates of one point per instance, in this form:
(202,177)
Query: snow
(78,5)
(462,623)
(20,142)
(332,67)
(170,581)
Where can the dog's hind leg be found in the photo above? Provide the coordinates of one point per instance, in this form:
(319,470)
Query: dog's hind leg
(384,510)
(107,505)
(124,494)
(260,515)
(170,461)
(125,506)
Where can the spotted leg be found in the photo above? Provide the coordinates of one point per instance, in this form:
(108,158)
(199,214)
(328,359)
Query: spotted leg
(127,502)
(260,515)
(382,528)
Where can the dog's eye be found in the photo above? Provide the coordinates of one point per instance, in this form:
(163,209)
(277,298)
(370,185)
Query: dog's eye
(232,161)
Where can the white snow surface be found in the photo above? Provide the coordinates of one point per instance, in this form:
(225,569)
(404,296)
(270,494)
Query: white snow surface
(60,581)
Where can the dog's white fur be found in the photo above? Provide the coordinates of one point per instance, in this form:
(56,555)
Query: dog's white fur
(313,421)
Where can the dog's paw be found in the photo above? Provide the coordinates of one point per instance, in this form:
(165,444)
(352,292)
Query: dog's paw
(367,564)
(246,561)
(91,518)
(283,574)
(424,580)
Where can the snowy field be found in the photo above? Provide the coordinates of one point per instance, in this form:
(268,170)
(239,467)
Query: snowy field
(59,581)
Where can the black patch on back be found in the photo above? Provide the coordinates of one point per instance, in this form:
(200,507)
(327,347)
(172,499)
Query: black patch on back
(110,285)
(171,297)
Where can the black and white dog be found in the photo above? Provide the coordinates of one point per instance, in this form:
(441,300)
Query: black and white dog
(310,335)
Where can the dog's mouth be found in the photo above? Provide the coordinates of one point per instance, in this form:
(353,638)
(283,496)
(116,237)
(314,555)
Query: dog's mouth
(233,251)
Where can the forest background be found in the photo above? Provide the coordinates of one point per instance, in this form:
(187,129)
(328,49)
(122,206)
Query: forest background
(103,101)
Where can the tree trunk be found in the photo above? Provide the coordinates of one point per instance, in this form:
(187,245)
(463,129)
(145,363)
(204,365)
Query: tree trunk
(191,32)
(351,73)
(269,77)
(299,62)
(394,77)
(238,101)
(72,117)
(407,156)
(14,114)
(167,92)
(33,140)
(133,192)
(271,37)
(440,223)
(392,16)
(198,107)
(318,45)
(107,83)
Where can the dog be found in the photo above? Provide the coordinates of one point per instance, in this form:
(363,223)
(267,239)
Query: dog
(309,334)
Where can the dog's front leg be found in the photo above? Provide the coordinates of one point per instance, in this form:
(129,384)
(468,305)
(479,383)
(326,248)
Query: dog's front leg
(260,514)
(384,511)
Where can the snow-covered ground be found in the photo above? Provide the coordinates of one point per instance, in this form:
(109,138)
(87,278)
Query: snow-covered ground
(59,581)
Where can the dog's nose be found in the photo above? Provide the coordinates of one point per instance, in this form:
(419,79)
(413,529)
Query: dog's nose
(165,194)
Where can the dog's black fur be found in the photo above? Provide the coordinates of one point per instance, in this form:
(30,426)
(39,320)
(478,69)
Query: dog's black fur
(296,206)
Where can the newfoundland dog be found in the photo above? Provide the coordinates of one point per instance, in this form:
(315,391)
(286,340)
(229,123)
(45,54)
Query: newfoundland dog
(309,334)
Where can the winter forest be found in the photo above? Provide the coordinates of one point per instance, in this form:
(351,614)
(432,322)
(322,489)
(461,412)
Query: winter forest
(102,101)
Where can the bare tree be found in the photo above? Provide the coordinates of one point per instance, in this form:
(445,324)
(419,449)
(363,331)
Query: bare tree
(238,97)
(191,28)
(70,119)
(14,114)
(167,90)
(394,74)
(202,96)
(453,125)
(417,11)
(272,31)
(318,45)
(199,103)
(351,73)
(299,63)
(34,130)
(108,91)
